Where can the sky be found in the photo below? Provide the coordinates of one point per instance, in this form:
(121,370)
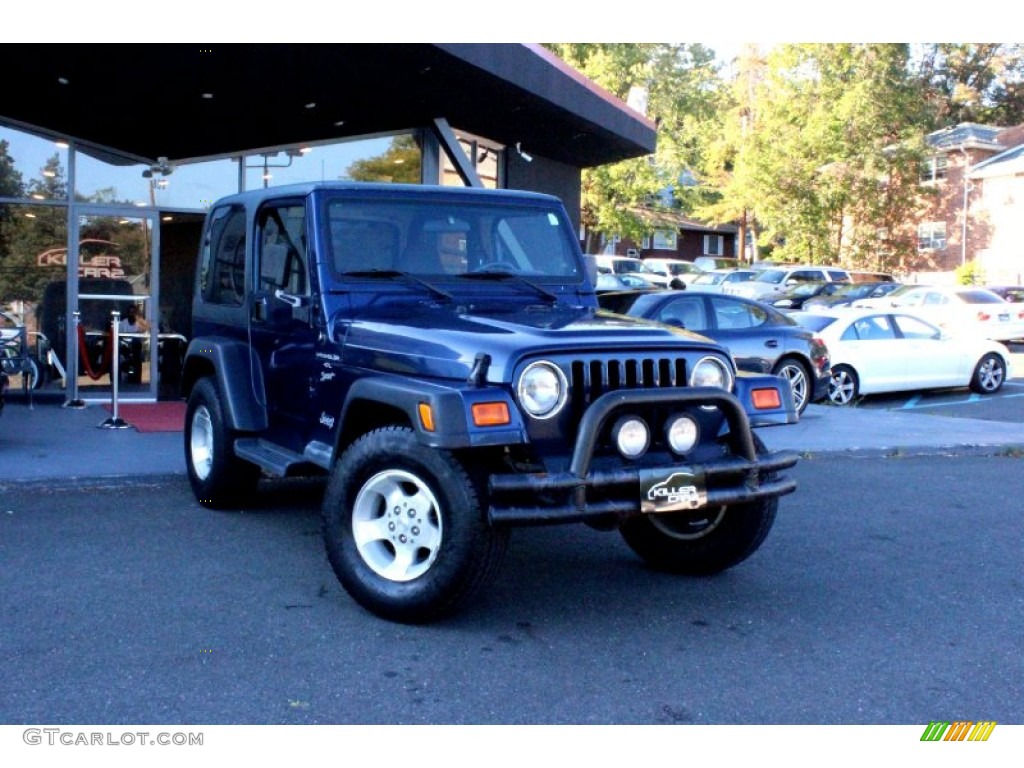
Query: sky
(516,21)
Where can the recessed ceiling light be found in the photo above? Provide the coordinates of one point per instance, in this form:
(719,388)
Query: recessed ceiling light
(207,95)
(311,105)
(338,123)
(63,80)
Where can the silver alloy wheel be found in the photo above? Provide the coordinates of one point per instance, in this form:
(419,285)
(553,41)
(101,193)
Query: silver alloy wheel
(842,388)
(396,525)
(200,446)
(797,377)
(990,374)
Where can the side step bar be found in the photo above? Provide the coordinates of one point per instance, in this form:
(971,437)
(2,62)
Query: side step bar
(278,460)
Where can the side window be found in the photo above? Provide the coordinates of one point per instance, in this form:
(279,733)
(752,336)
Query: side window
(935,298)
(282,249)
(686,312)
(913,328)
(731,315)
(222,269)
(874,328)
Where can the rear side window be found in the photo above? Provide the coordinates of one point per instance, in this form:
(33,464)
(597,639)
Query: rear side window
(222,267)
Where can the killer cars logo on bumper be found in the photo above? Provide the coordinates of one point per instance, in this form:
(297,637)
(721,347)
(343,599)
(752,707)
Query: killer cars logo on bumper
(683,490)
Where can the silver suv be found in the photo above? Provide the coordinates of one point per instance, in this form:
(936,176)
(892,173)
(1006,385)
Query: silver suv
(770,282)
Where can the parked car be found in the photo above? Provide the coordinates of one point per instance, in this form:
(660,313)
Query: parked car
(799,294)
(769,283)
(1011,293)
(627,265)
(961,310)
(877,350)
(846,293)
(860,276)
(760,338)
(708,263)
(716,280)
(674,270)
(606,281)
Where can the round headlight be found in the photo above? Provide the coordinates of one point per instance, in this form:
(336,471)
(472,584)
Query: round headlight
(681,433)
(542,390)
(631,436)
(711,372)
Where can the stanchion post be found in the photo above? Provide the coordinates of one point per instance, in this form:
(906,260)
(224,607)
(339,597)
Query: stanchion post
(115,421)
(75,401)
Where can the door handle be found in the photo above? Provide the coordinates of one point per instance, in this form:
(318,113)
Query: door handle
(773,343)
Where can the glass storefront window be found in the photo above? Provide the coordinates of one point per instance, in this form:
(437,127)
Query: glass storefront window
(28,164)
(485,156)
(33,260)
(392,159)
(191,186)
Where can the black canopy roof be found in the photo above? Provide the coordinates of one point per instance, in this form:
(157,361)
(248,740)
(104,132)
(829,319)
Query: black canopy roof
(185,101)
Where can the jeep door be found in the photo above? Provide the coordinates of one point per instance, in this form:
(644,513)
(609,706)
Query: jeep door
(282,336)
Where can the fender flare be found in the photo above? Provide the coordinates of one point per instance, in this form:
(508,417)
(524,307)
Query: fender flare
(451,407)
(240,383)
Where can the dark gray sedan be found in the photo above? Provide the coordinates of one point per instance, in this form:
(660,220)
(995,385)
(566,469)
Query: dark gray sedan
(760,338)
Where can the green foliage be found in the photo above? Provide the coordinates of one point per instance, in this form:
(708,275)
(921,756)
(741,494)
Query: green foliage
(680,82)
(820,151)
(972,83)
(399,163)
(969,273)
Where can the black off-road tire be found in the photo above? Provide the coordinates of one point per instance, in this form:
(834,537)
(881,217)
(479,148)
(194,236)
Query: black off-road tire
(405,528)
(219,478)
(702,542)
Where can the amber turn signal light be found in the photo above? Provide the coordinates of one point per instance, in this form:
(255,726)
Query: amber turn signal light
(427,416)
(490,414)
(766,398)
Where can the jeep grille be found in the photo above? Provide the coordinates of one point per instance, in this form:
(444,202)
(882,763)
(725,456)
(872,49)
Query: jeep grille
(589,379)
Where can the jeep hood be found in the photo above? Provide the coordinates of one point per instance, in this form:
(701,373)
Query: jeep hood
(439,341)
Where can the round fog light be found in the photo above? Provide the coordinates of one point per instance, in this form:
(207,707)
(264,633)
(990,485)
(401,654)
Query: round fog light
(631,436)
(681,433)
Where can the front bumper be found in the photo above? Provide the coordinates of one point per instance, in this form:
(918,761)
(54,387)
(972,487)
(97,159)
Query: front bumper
(586,493)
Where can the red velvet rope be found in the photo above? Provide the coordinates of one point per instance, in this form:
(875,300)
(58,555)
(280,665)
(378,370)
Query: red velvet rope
(105,361)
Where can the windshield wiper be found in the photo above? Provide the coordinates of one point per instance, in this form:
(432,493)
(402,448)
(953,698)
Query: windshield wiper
(389,274)
(503,275)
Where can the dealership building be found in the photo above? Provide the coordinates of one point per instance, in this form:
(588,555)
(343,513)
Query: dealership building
(110,156)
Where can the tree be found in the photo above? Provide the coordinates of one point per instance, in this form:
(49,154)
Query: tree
(399,163)
(39,229)
(11,185)
(822,147)
(680,83)
(973,83)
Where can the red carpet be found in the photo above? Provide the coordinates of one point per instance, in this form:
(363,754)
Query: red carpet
(153,417)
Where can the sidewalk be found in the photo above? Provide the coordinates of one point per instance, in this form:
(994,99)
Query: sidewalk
(55,444)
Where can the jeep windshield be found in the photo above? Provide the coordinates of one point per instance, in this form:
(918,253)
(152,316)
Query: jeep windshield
(441,240)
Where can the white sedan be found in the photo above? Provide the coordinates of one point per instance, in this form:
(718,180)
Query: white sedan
(957,310)
(878,350)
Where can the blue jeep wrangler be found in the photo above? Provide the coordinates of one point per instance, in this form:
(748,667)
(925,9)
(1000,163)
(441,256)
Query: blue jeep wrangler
(440,354)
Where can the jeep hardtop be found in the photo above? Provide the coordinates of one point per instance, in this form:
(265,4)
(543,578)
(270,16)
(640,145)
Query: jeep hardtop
(440,354)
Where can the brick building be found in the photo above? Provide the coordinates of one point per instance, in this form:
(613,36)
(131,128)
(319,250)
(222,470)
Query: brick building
(977,172)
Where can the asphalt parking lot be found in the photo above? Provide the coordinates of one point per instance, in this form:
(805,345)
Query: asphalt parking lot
(1006,405)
